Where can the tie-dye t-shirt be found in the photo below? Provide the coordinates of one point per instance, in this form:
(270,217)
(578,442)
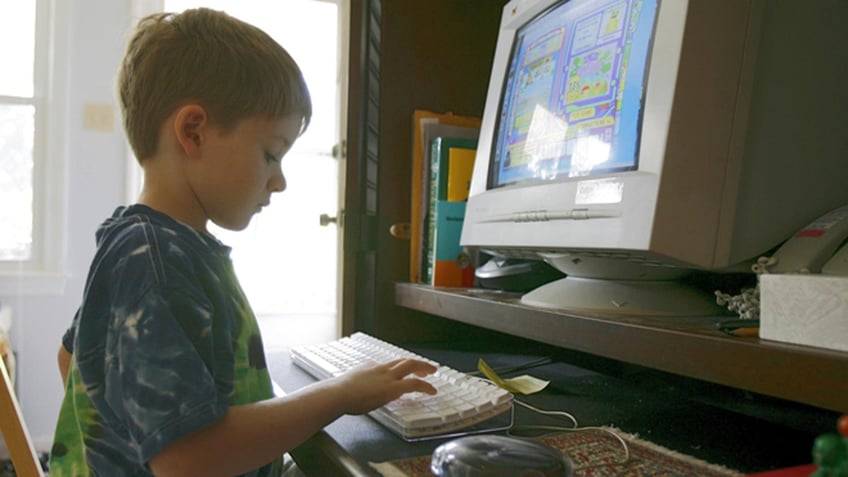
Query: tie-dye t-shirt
(163,343)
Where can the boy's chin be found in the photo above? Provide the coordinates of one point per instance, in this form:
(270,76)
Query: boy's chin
(233,225)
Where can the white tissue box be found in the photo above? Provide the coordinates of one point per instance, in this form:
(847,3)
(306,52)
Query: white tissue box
(805,309)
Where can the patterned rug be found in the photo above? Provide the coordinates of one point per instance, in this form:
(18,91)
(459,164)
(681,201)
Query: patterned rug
(594,454)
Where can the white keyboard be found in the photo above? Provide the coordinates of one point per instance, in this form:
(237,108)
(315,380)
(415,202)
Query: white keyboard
(462,403)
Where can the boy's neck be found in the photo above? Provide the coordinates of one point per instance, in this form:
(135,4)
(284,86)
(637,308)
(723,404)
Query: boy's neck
(165,190)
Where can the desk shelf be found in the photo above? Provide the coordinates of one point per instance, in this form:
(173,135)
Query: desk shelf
(691,347)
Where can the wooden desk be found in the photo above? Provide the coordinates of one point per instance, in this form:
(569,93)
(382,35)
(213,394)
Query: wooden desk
(637,403)
(691,347)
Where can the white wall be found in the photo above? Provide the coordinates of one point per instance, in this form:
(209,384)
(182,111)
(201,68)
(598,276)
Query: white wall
(94,33)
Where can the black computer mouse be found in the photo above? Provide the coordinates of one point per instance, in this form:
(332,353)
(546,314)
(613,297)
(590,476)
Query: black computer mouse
(498,456)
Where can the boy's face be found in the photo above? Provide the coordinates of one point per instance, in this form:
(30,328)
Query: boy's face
(241,168)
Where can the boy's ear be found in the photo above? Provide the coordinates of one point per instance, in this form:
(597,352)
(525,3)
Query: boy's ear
(190,126)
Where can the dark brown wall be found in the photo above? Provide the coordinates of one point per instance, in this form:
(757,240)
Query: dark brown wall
(434,55)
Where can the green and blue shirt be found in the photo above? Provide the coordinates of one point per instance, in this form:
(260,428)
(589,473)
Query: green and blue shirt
(163,343)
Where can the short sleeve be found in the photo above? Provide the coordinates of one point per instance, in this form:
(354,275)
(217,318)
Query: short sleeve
(68,340)
(70,334)
(166,388)
(156,386)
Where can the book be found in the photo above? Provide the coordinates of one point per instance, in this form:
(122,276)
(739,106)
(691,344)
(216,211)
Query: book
(451,265)
(460,166)
(448,154)
(426,126)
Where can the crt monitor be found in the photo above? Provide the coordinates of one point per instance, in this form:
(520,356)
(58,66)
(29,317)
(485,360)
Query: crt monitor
(630,143)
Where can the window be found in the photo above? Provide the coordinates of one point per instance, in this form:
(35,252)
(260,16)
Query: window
(31,218)
(17,125)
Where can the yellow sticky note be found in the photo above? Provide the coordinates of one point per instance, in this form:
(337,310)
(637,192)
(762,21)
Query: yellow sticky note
(524,384)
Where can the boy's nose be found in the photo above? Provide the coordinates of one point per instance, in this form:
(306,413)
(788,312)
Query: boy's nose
(277,182)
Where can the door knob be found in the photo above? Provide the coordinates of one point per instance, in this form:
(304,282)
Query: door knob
(326,220)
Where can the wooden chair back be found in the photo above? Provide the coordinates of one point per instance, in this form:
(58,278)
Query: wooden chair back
(15,433)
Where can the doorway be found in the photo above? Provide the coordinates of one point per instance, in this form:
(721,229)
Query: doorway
(287,262)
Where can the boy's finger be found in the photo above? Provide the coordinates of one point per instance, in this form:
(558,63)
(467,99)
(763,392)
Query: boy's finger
(412,366)
(420,386)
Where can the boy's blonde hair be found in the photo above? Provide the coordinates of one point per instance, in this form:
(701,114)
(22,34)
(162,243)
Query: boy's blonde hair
(231,68)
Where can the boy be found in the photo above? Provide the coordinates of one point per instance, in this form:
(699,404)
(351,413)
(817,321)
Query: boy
(164,364)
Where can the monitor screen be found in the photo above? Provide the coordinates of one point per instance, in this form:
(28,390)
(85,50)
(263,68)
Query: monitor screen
(572,97)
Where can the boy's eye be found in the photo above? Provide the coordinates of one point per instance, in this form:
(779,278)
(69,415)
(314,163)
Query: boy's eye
(270,157)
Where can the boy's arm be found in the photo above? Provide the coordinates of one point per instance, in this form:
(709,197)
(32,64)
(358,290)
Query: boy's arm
(252,435)
(64,359)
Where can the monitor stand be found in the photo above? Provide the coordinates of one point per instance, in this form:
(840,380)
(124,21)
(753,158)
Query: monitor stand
(632,297)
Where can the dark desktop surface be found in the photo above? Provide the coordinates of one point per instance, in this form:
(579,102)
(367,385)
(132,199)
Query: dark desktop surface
(745,432)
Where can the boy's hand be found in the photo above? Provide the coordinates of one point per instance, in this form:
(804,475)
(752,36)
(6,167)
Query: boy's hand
(368,387)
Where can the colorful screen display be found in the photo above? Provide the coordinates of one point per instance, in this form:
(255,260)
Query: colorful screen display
(573,94)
